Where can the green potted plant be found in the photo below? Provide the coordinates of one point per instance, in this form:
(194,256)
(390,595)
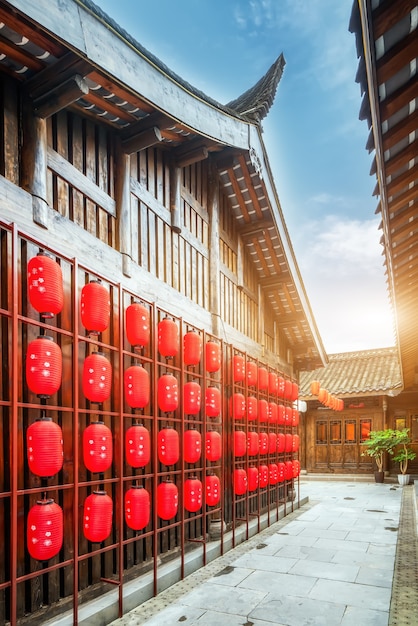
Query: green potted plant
(403,454)
(377,445)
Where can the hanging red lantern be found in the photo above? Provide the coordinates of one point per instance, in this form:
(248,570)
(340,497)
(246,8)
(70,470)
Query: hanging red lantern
(322,395)
(44,444)
(273,383)
(45,286)
(168,337)
(281,419)
(213,445)
(296,468)
(192,397)
(263,410)
(240,443)
(281,442)
(137,507)
(97,447)
(192,348)
(252,408)
(167,500)
(252,443)
(45,530)
(137,446)
(295,443)
(288,474)
(295,392)
(213,490)
(192,445)
(137,386)
(273,412)
(240,481)
(193,494)
(263,379)
(168,446)
(212,356)
(43,366)
(288,387)
(288,442)
(137,323)
(282,471)
(288,413)
(252,374)
(238,368)
(97,377)
(97,516)
(213,401)
(280,386)
(252,478)
(272,443)
(263,442)
(168,393)
(237,406)
(315,385)
(295,417)
(273,474)
(263,476)
(95,307)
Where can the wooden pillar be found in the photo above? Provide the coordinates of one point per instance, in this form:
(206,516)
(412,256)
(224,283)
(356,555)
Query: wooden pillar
(123,208)
(175,203)
(214,259)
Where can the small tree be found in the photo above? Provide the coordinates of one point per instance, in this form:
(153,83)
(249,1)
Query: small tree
(404,454)
(378,443)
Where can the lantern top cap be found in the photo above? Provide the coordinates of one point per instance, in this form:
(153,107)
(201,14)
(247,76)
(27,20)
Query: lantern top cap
(45,501)
(45,337)
(100,492)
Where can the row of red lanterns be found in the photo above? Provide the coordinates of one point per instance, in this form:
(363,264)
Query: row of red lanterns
(253,443)
(245,371)
(241,406)
(325,397)
(264,475)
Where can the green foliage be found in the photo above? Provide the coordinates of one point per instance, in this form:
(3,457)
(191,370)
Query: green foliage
(379,443)
(403,453)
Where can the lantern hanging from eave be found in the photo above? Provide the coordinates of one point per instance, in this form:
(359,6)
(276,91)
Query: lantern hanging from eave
(280,386)
(192,445)
(263,476)
(281,418)
(252,443)
(97,516)
(295,392)
(97,377)
(168,337)
(137,446)
(273,474)
(252,478)
(168,446)
(192,398)
(315,386)
(295,417)
(295,443)
(272,443)
(213,401)
(240,481)
(240,443)
(45,530)
(193,494)
(213,445)
(137,507)
(322,395)
(281,442)
(252,408)
(288,415)
(263,379)
(273,382)
(263,442)
(137,322)
(289,470)
(273,412)
(282,471)
(263,410)
(213,489)
(44,444)
(97,447)
(288,387)
(238,368)
(251,373)
(237,406)
(95,307)
(288,442)
(168,393)
(192,348)
(212,356)
(167,500)
(137,386)
(296,468)
(43,366)
(45,286)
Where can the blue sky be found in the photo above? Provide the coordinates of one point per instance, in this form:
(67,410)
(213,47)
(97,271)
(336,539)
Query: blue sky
(315,141)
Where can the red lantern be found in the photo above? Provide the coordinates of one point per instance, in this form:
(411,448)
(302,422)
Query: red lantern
(272,443)
(252,443)
(238,368)
(240,443)
(168,393)
(288,441)
(288,474)
(295,392)
(273,412)
(237,406)
(168,446)
(281,419)
(137,386)
(240,482)
(263,442)
(137,507)
(97,377)
(193,495)
(263,379)
(315,385)
(213,489)
(288,414)
(97,516)
(273,474)
(192,344)
(288,389)
(263,476)
(263,410)
(295,417)
(167,500)
(296,468)
(252,478)
(273,381)
(97,447)
(295,443)
(280,386)
(213,445)
(282,471)
(43,366)
(137,321)
(192,445)
(45,285)
(252,408)
(213,401)
(137,446)
(252,374)
(212,356)
(322,395)
(44,445)
(45,530)
(95,307)
(281,443)
(192,396)
(168,337)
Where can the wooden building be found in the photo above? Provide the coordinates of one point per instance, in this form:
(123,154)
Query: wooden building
(133,182)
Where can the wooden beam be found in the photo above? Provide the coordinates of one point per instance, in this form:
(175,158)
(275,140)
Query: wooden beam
(60,97)
(278,280)
(193,156)
(57,73)
(388,13)
(398,57)
(399,98)
(401,159)
(400,182)
(259,227)
(401,130)
(143,140)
